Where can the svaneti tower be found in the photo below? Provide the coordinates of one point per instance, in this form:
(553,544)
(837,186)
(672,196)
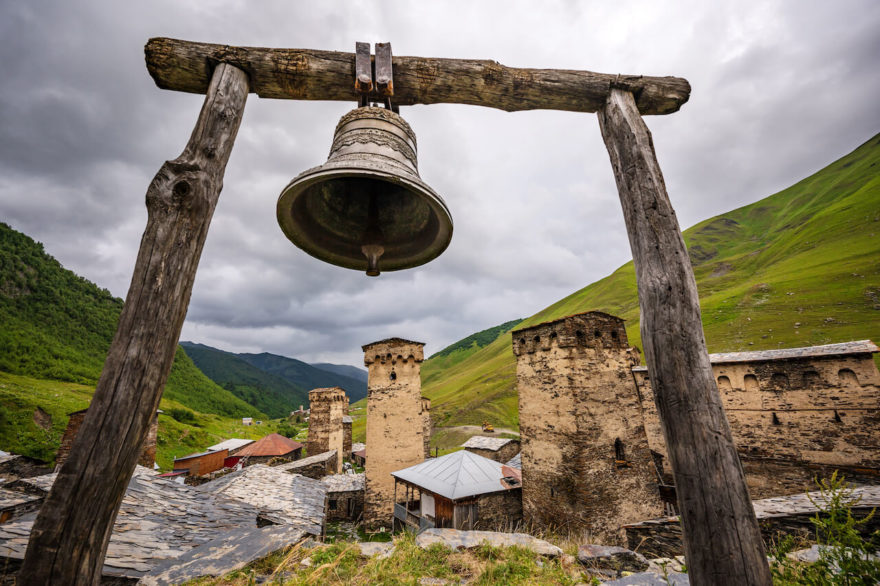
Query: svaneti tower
(327,408)
(586,465)
(395,421)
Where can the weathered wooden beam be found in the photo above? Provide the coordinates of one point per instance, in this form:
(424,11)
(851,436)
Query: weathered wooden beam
(721,535)
(304,74)
(71,533)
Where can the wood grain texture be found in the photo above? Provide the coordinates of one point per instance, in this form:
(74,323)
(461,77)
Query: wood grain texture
(303,74)
(722,539)
(71,533)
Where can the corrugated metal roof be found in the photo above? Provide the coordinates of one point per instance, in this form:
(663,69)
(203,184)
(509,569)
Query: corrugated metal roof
(455,476)
(857,347)
(271,445)
(230,444)
(482,442)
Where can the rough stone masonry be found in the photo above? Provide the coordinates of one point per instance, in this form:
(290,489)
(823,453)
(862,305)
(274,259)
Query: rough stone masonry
(395,421)
(326,431)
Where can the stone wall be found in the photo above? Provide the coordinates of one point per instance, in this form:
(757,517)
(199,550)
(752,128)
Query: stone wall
(427,425)
(148,453)
(345,506)
(500,511)
(395,421)
(503,454)
(793,417)
(328,407)
(586,465)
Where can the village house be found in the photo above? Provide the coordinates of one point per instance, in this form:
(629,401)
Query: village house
(345,496)
(495,448)
(460,490)
(359,454)
(315,467)
(273,447)
(201,463)
(233,445)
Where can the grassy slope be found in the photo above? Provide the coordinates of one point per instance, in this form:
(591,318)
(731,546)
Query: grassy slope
(800,267)
(21,395)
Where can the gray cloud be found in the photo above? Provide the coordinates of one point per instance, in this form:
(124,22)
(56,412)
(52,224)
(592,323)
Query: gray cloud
(779,90)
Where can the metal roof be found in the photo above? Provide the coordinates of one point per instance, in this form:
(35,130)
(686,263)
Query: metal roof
(191,456)
(271,445)
(515,462)
(230,444)
(482,442)
(455,476)
(857,347)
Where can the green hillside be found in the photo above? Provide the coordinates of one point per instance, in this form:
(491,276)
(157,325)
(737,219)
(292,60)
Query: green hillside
(270,393)
(58,326)
(798,268)
(308,376)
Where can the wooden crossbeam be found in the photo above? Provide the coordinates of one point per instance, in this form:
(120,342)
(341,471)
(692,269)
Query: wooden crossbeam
(305,74)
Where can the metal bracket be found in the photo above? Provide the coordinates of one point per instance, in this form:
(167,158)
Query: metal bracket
(373,79)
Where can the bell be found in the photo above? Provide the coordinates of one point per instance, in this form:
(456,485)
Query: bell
(366,208)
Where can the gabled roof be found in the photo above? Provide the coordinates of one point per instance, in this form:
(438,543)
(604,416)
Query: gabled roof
(515,462)
(292,467)
(191,456)
(456,476)
(344,482)
(230,444)
(481,442)
(271,445)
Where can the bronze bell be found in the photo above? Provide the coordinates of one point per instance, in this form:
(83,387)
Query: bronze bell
(367,207)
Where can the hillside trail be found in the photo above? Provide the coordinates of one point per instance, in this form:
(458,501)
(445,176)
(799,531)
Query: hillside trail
(477,430)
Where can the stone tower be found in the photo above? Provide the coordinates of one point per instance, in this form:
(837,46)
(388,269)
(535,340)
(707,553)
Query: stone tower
(395,421)
(327,408)
(586,464)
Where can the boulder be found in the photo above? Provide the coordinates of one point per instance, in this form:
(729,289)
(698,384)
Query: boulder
(651,579)
(383,549)
(611,557)
(456,539)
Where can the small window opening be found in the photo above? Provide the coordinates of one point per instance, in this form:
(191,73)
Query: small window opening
(393,375)
(552,492)
(837,418)
(581,336)
(522,341)
(619,451)
(597,334)
(614,335)
(537,339)
(724,383)
(332,504)
(750,382)
(776,419)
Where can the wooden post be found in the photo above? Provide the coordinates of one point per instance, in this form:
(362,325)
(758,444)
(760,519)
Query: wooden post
(71,533)
(721,535)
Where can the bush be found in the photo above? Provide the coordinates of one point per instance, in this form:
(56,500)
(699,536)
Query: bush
(182,415)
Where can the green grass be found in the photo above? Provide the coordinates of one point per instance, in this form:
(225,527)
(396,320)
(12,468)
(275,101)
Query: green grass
(798,268)
(21,396)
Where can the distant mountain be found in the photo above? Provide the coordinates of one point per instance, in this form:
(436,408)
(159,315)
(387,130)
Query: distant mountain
(57,325)
(344,369)
(798,268)
(275,384)
(310,377)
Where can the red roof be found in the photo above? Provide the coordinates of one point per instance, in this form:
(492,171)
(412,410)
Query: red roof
(271,445)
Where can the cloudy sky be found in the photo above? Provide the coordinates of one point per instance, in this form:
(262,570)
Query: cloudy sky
(780,89)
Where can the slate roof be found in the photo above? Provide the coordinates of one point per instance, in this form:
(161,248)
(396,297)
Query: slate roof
(271,445)
(456,476)
(230,444)
(389,341)
(343,482)
(292,467)
(9,498)
(515,462)
(158,520)
(289,499)
(486,443)
(358,446)
(347,419)
(784,506)
(857,347)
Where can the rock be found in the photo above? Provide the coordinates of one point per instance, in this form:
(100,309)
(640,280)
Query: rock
(306,562)
(427,581)
(659,565)
(651,579)
(456,539)
(383,549)
(611,557)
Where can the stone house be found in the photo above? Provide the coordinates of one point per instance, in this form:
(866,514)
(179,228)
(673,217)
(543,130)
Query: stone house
(316,467)
(75,419)
(460,490)
(345,496)
(495,448)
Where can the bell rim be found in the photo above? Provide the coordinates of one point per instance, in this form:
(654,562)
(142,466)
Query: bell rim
(299,184)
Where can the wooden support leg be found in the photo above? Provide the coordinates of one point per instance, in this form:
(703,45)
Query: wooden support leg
(71,533)
(721,535)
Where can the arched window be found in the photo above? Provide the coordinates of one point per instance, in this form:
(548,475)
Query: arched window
(775,419)
(847,378)
(811,378)
(393,375)
(724,383)
(750,382)
(779,381)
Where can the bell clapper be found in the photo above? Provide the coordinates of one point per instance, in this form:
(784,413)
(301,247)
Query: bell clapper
(373,239)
